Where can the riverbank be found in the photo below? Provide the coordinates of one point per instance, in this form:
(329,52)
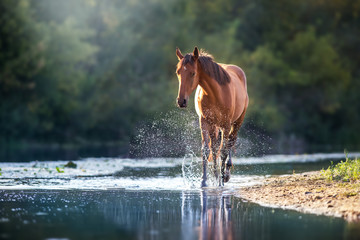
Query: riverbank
(309,193)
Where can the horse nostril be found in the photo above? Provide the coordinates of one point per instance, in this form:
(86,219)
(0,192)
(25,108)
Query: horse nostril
(181,102)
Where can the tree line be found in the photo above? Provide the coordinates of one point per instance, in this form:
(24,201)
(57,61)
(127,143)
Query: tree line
(90,71)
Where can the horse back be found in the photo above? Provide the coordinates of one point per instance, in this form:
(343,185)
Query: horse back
(236,74)
(238,85)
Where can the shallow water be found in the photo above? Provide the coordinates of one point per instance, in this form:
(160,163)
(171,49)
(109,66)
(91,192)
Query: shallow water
(123,214)
(151,199)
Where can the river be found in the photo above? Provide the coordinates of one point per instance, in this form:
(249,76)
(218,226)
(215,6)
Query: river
(114,198)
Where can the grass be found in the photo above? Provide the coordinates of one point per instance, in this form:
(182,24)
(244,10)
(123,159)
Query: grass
(343,171)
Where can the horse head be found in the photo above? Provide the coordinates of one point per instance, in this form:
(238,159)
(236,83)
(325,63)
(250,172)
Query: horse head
(186,73)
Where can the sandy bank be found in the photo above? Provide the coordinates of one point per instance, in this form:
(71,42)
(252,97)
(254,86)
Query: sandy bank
(308,193)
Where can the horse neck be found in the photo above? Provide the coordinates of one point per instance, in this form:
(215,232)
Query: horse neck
(208,84)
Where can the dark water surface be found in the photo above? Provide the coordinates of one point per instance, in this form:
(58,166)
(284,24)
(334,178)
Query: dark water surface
(111,198)
(123,214)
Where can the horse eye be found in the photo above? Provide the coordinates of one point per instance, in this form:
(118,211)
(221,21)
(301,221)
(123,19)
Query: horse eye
(192,74)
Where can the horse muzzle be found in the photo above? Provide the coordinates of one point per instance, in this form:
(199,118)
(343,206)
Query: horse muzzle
(182,103)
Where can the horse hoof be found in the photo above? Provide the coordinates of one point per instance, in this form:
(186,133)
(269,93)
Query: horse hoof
(227,176)
(221,183)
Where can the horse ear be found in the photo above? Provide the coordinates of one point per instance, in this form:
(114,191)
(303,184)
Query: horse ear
(196,53)
(178,54)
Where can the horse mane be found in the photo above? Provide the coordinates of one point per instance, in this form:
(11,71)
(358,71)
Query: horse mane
(211,68)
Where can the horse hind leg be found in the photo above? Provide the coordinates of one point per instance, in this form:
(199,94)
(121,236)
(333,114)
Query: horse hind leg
(227,173)
(224,152)
(226,169)
(231,143)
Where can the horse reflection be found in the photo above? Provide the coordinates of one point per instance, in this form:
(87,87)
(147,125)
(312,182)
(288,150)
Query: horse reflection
(215,216)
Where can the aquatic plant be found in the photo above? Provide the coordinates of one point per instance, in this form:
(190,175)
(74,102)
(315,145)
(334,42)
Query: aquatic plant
(70,164)
(343,171)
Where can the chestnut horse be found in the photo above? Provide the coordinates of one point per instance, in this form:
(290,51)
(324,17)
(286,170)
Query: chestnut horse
(221,101)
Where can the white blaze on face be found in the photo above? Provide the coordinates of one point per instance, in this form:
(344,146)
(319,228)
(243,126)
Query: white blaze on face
(184,68)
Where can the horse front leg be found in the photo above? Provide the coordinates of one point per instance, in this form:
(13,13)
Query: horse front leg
(215,138)
(205,148)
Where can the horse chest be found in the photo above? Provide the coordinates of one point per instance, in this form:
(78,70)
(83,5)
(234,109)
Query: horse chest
(208,109)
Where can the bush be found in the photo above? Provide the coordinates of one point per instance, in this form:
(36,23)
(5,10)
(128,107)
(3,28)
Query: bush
(343,171)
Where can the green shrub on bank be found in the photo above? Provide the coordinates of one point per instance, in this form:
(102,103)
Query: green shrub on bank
(344,171)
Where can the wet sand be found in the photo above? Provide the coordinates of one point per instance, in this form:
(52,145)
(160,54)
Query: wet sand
(309,193)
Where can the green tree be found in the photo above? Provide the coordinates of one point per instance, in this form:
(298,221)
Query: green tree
(42,72)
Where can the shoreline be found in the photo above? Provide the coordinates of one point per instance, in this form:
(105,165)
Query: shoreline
(308,193)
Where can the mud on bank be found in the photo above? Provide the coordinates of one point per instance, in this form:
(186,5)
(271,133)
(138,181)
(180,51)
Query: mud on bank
(309,193)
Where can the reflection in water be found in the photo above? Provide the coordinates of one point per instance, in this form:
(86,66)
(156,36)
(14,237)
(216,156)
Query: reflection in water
(215,216)
(120,214)
(201,215)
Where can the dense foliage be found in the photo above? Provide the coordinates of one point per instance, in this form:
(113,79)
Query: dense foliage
(95,70)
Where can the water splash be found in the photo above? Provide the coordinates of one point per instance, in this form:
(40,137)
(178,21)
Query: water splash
(252,142)
(172,134)
(192,171)
(177,134)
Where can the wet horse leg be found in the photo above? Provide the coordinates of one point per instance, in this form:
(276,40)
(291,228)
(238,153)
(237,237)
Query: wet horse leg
(205,148)
(224,154)
(231,143)
(232,140)
(205,151)
(215,137)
